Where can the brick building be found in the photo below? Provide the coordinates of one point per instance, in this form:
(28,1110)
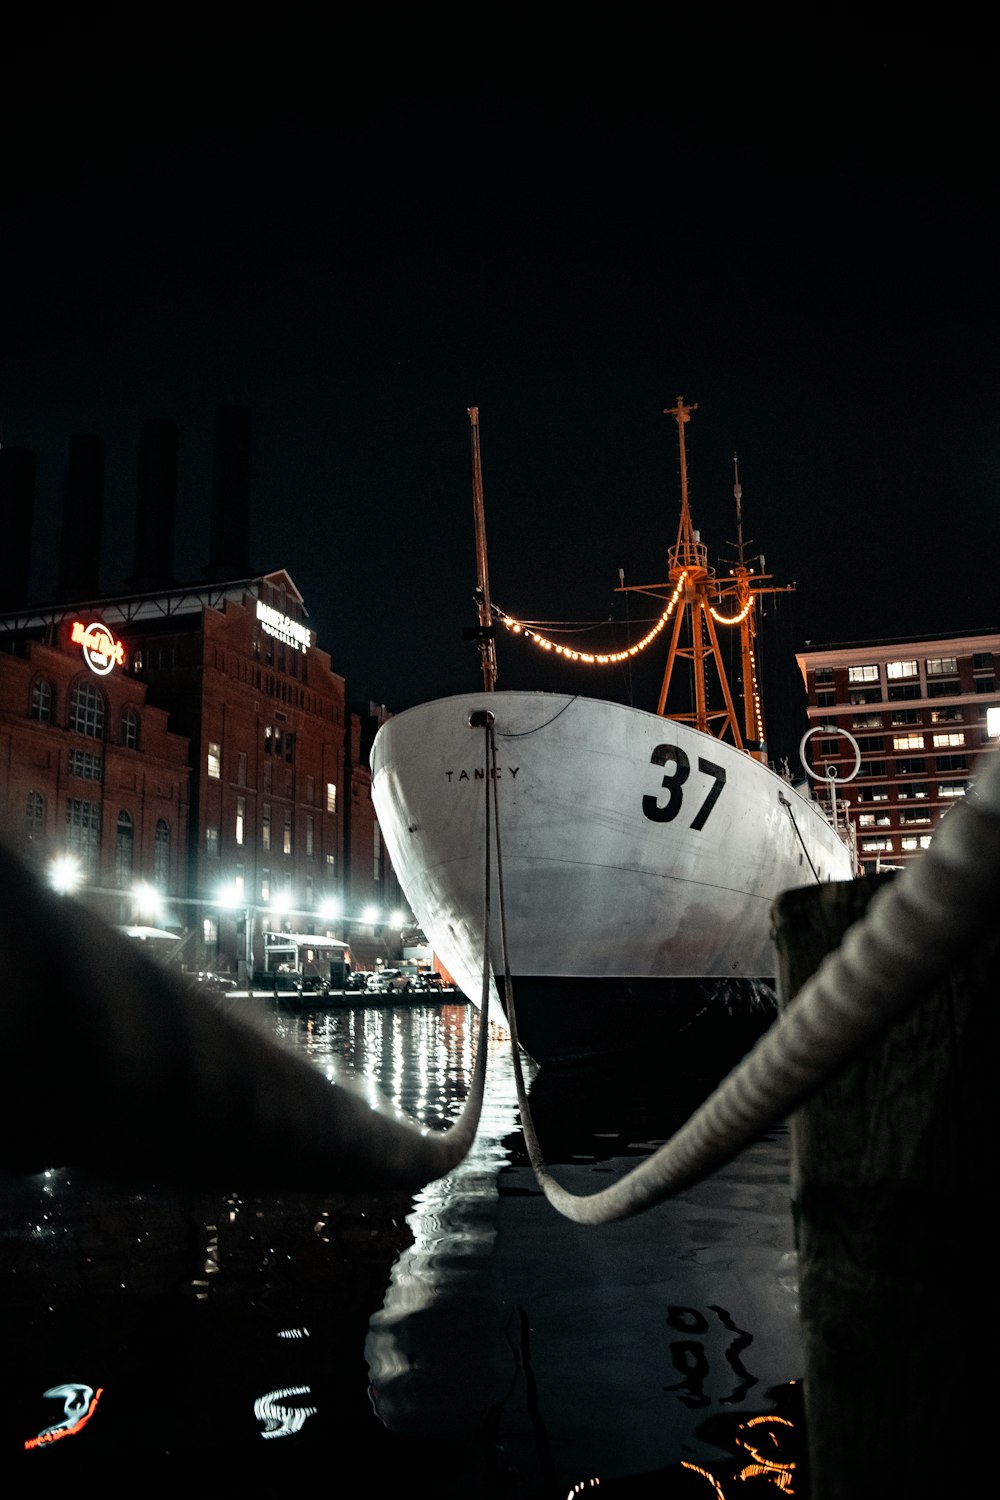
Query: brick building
(914,716)
(91,769)
(189,738)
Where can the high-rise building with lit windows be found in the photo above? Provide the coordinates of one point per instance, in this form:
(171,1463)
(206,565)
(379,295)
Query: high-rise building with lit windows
(897,727)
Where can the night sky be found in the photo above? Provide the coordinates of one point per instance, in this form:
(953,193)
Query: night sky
(357,237)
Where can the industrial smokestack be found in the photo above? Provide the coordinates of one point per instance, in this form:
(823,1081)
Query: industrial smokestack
(156,509)
(80,537)
(230,533)
(17,499)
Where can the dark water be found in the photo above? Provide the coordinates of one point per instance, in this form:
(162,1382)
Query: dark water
(470,1341)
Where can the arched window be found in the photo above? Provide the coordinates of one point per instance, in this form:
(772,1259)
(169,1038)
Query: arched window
(83,833)
(41,701)
(129,729)
(34,821)
(86,710)
(161,856)
(123,850)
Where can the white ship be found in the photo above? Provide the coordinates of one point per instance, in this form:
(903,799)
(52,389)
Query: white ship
(619,879)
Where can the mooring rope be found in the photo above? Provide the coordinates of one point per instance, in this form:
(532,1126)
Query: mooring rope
(937,912)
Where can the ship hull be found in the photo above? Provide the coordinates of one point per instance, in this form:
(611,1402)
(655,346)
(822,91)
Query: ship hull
(637,859)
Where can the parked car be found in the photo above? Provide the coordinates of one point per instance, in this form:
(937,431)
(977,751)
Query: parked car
(434,981)
(416,984)
(208,983)
(384,982)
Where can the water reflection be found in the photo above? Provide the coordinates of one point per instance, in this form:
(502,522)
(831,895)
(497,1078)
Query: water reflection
(553,1349)
(468,1341)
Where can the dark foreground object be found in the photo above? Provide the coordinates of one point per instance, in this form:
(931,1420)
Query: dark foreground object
(887,1168)
(164,1081)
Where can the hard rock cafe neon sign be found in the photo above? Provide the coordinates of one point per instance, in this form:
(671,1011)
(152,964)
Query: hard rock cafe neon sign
(101,651)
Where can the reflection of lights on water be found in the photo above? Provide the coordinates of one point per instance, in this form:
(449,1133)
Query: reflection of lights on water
(280,1420)
(294,1333)
(779,1471)
(452,1217)
(79,1404)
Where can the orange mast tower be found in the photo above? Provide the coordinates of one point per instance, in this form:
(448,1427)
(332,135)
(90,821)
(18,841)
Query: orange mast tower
(694,636)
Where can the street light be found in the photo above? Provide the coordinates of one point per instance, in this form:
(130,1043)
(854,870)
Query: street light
(65,874)
(148,902)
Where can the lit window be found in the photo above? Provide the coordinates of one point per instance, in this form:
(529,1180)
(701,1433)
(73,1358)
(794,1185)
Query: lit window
(41,701)
(214,759)
(86,710)
(951,789)
(862,674)
(210,932)
(897,669)
(265,885)
(942,666)
(241,820)
(265,828)
(876,846)
(129,729)
(909,741)
(912,841)
(34,817)
(331,797)
(83,832)
(954,737)
(123,850)
(286,843)
(161,855)
(86,764)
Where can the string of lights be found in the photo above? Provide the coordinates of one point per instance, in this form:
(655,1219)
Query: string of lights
(610,658)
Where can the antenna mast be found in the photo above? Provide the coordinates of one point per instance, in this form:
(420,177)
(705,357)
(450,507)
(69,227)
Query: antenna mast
(486,632)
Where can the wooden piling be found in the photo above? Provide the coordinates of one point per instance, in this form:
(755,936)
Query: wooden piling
(893,1183)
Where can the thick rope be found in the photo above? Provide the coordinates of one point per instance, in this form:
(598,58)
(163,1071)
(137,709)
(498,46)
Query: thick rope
(142,1078)
(935,914)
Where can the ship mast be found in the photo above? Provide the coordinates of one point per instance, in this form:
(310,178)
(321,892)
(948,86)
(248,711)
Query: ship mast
(485,632)
(753,714)
(693,580)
